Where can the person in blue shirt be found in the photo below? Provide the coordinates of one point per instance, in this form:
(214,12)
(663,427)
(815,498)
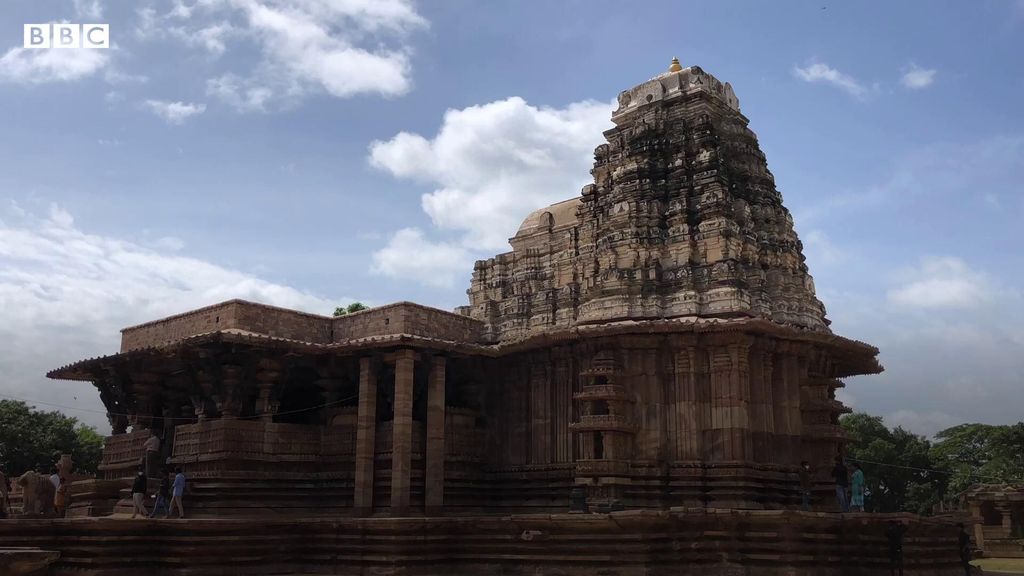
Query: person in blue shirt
(857,489)
(177,491)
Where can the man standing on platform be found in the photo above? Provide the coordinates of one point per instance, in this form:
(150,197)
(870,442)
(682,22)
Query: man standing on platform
(177,491)
(152,461)
(842,479)
(805,486)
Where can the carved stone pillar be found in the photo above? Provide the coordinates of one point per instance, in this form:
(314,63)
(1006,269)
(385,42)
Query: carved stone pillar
(147,388)
(739,399)
(757,406)
(786,409)
(730,394)
(268,374)
(401,447)
(331,389)
(118,423)
(434,481)
(366,428)
(699,361)
(1006,517)
(227,402)
(198,406)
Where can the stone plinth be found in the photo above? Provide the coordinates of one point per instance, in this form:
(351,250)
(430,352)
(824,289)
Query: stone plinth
(678,542)
(26,561)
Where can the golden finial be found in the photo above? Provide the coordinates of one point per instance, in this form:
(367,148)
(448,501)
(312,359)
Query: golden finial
(675,67)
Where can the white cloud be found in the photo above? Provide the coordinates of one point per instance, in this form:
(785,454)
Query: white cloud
(985,170)
(338,48)
(820,249)
(65,294)
(493,164)
(947,326)
(24,66)
(169,243)
(823,73)
(113,76)
(917,78)
(943,282)
(90,9)
(924,423)
(410,256)
(175,112)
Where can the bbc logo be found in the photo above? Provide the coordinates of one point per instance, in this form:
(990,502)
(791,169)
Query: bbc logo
(67,35)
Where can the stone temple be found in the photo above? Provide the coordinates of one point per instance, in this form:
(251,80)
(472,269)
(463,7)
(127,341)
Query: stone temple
(651,350)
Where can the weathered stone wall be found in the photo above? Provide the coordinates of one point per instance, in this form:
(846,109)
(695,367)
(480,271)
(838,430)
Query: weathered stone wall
(233,314)
(714,420)
(406,318)
(398,318)
(180,326)
(681,542)
(283,323)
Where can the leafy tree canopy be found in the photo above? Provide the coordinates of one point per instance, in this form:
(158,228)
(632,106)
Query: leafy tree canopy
(907,472)
(980,453)
(353,307)
(896,463)
(33,440)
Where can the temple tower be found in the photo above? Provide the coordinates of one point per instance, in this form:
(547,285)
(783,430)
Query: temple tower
(682,219)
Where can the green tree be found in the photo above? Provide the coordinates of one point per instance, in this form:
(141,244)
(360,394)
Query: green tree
(33,440)
(897,466)
(353,307)
(980,453)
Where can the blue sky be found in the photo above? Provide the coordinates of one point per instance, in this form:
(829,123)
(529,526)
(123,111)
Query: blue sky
(313,152)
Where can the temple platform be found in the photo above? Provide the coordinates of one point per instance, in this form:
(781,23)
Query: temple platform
(679,542)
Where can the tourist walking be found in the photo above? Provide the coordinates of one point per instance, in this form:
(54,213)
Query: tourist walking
(842,481)
(857,489)
(55,478)
(177,491)
(163,495)
(139,495)
(964,540)
(805,486)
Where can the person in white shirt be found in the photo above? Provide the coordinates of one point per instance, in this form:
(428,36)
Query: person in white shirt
(152,460)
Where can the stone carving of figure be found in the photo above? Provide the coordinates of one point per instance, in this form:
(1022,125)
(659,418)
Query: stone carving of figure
(65,465)
(36,493)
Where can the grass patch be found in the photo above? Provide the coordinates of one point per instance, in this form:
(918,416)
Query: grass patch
(1001,564)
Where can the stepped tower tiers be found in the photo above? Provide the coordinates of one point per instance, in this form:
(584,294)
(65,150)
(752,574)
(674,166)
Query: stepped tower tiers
(682,220)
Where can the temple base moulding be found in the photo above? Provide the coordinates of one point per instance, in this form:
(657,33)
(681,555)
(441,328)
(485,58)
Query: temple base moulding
(649,543)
